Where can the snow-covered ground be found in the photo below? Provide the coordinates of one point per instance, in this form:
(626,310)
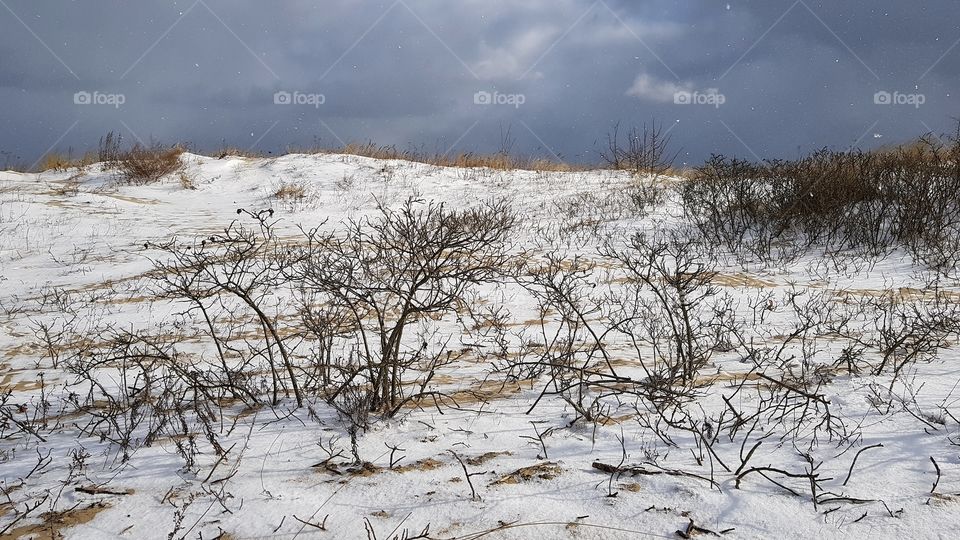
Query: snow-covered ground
(78,240)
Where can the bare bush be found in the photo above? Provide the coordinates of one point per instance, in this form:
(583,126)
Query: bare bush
(362,298)
(158,393)
(235,276)
(645,151)
(865,203)
(902,331)
(646,195)
(682,321)
(573,329)
(382,276)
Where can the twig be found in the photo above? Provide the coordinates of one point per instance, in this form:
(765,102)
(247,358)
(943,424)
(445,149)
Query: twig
(394,450)
(749,455)
(25,427)
(937,481)
(810,476)
(891,512)
(280,525)
(24,514)
(854,462)
(843,499)
(637,470)
(97,490)
(473,492)
(322,525)
(539,438)
(220,460)
(693,530)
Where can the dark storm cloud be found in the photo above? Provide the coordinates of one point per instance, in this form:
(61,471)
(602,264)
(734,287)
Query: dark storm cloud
(793,75)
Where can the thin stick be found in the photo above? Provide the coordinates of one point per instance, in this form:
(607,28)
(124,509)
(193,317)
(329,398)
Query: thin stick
(854,462)
(322,526)
(220,460)
(747,459)
(467,475)
(937,481)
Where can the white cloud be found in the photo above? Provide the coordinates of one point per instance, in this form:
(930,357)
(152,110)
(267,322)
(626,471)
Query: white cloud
(650,88)
(516,55)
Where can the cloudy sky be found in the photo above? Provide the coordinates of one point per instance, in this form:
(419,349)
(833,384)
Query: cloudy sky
(752,78)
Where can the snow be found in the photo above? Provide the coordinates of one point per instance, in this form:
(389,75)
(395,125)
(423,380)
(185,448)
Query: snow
(54,239)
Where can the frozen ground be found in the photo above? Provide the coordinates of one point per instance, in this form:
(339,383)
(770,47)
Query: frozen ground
(75,244)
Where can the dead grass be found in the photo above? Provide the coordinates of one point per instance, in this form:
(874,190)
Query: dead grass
(427,464)
(483,392)
(60,162)
(900,293)
(365,469)
(485,457)
(54,523)
(233,151)
(290,191)
(547,470)
(944,499)
(146,165)
(186,181)
(69,187)
(739,280)
(724,377)
(502,161)
(8,385)
(616,420)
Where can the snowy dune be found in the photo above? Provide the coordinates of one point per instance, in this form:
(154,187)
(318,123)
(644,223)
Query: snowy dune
(79,246)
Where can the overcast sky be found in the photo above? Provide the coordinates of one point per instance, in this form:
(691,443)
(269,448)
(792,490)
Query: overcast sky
(756,79)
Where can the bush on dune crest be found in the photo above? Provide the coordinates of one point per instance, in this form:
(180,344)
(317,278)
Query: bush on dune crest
(868,202)
(148,164)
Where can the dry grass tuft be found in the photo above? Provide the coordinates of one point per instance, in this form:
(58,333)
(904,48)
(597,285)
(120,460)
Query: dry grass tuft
(290,191)
(58,162)
(427,464)
(485,457)
(228,151)
(186,181)
(54,523)
(502,161)
(547,470)
(146,165)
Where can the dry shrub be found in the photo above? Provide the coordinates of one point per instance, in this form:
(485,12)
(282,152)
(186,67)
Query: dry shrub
(646,194)
(290,191)
(186,181)
(870,203)
(643,151)
(148,164)
(228,151)
(55,161)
